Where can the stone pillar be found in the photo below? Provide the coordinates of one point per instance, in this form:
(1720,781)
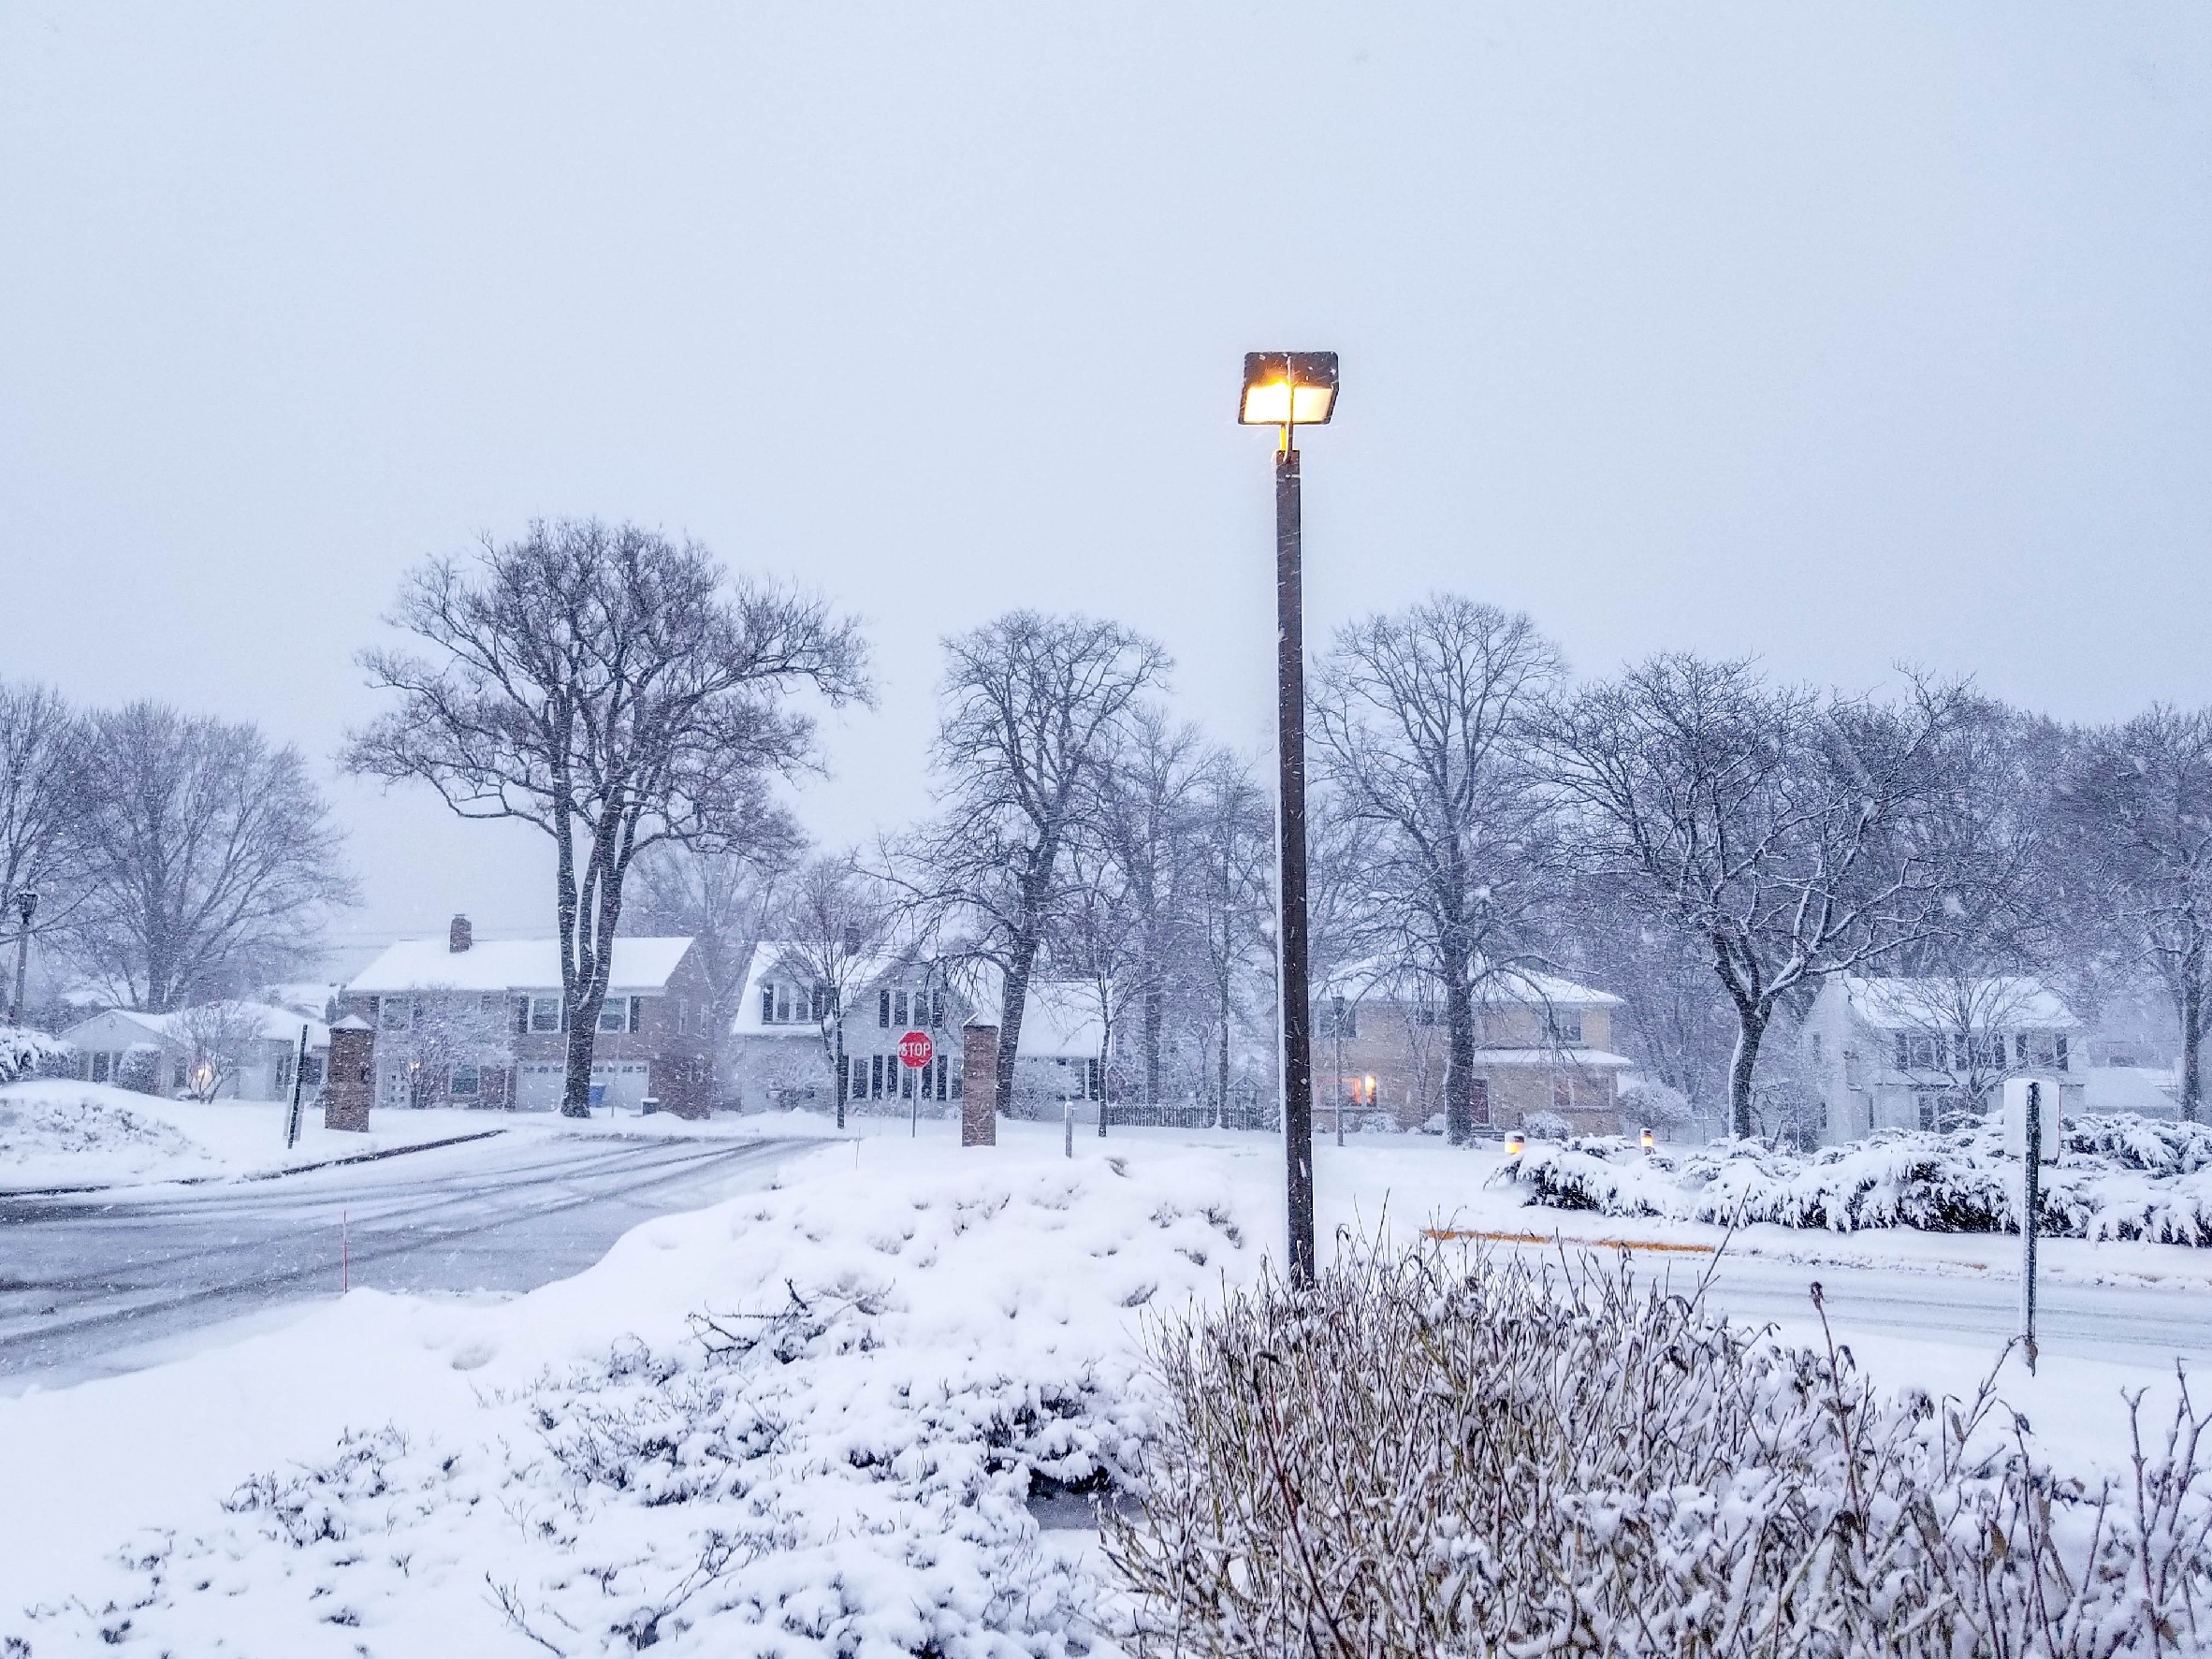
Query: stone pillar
(979,1071)
(349,1075)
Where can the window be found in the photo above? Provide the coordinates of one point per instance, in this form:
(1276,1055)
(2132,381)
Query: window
(180,1075)
(99,1068)
(283,1070)
(395,1013)
(614,1015)
(858,1089)
(940,1063)
(936,1022)
(2058,1052)
(1566,1027)
(1851,1074)
(2019,1048)
(1344,1019)
(1092,1079)
(884,1008)
(956,1082)
(898,1009)
(1562,1094)
(310,1071)
(875,1077)
(783,1005)
(465,1084)
(545,1013)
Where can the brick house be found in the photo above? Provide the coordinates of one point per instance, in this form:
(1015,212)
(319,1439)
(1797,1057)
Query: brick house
(777,1058)
(462,1023)
(1542,1044)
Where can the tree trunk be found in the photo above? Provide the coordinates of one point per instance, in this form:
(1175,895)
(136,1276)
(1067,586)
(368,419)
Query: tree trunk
(1156,1006)
(2192,1035)
(1459,1064)
(1751,1029)
(1010,1016)
(575,1092)
(844,1069)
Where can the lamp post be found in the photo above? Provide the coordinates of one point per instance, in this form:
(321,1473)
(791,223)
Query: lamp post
(1289,390)
(26,903)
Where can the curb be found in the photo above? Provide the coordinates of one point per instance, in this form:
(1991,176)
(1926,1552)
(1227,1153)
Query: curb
(327,1163)
(1447,1233)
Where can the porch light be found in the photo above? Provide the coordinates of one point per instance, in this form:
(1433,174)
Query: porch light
(1515,1144)
(1648,1142)
(1288,389)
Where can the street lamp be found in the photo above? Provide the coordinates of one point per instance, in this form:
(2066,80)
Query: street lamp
(26,903)
(1289,390)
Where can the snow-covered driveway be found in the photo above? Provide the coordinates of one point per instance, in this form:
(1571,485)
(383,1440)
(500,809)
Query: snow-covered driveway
(94,1284)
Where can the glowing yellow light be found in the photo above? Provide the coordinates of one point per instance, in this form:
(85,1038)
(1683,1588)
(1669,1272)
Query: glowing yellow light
(1514,1145)
(1289,388)
(1649,1141)
(1367,1098)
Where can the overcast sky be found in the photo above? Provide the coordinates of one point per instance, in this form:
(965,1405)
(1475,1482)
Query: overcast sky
(1842,334)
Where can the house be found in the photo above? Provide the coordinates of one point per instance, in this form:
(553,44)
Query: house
(239,1051)
(779,1060)
(463,1024)
(1542,1044)
(1931,1053)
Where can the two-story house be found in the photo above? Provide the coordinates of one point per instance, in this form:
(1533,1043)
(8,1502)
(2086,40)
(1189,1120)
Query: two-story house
(1932,1053)
(1543,1044)
(463,1024)
(778,1057)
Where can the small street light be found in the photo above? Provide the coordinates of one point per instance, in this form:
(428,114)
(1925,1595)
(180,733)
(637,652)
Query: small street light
(26,904)
(1289,390)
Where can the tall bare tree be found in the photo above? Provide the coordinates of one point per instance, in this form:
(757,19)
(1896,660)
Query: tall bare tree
(42,786)
(614,689)
(833,931)
(1775,827)
(1417,719)
(1033,705)
(2138,797)
(211,860)
(1233,846)
(1142,823)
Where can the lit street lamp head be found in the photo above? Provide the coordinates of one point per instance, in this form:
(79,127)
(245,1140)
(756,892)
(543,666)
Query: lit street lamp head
(1287,389)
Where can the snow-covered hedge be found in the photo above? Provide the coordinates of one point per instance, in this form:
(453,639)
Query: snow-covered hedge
(1419,1457)
(25,1052)
(2122,1177)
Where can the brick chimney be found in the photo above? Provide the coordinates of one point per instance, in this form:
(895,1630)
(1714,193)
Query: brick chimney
(459,937)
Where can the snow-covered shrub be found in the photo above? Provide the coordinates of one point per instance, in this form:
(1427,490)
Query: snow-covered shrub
(1648,1103)
(25,1052)
(1547,1126)
(50,1124)
(1422,1456)
(2122,1178)
(139,1069)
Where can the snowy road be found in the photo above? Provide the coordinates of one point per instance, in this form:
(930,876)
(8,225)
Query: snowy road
(91,1286)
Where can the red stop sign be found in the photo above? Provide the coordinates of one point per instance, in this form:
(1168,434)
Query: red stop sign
(916,1050)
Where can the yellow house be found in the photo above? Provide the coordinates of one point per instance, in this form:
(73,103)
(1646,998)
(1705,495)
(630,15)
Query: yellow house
(1542,1044)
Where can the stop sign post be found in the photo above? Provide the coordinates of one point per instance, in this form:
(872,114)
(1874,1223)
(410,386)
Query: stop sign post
(915,1051)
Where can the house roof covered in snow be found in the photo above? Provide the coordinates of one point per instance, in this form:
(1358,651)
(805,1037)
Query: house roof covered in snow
(272,1024)
(1380,979)
(2000,1003)
(1059,1019)
(640,965)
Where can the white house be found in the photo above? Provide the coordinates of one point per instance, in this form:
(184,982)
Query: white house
(777,1058)
(1917,1054)
(165,1052)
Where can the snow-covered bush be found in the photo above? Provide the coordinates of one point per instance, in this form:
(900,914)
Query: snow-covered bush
(2120,1177)
(1648,1103)
(25,1052)
(1547,1126)
(139,1068)
(1421,1455)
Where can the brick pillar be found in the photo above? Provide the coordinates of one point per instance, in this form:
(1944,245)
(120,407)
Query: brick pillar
(349,1075)
(979,1069)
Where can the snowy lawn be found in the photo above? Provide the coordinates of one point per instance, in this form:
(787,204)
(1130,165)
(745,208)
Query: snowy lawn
(802,1422)
(61,1133)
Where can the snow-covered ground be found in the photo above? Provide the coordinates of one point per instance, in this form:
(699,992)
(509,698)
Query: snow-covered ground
(923,1331)
(58,1133)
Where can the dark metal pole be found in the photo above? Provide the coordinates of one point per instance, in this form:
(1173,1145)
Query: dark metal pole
(1291,930)
(298,1081)
(2031,1193)
(26,903)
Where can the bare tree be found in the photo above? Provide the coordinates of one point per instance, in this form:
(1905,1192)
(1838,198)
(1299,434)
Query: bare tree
(1141,822)
(1100,938)
(1232,845)
(41,791)
(1418,719)
(724,901)
(444,1030)
(833,931)
(221,1035)
(617,691)
(1772,826)
(2138,798)
(1033,705)
(210,855)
